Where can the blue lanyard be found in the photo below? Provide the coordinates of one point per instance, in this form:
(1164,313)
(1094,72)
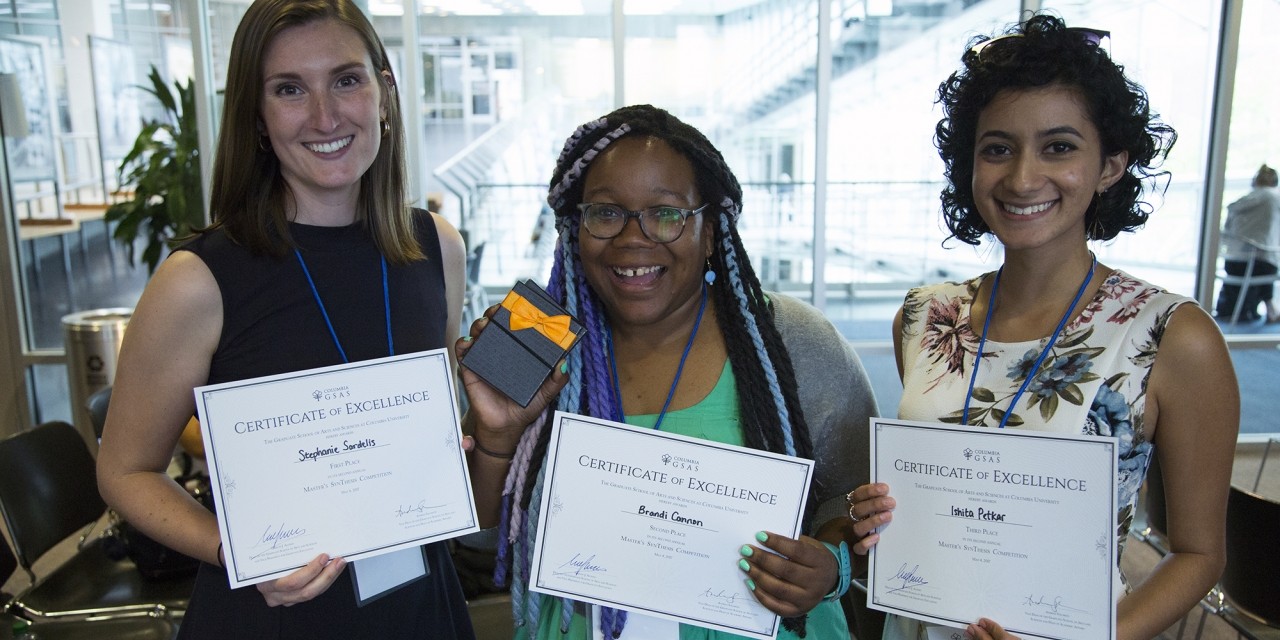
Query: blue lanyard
(613,364)
(1035,368)
(386,305)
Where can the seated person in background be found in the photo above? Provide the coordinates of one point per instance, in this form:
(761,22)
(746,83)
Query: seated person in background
(1252,222)
(681,338)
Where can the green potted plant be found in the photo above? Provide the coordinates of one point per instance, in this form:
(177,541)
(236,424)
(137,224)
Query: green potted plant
(163,170)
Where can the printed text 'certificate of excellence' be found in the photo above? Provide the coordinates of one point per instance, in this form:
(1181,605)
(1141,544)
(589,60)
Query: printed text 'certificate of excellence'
(353,460)
(652,522)
(1013,525)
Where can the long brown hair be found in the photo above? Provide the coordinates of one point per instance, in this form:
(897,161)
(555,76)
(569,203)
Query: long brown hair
(248,196)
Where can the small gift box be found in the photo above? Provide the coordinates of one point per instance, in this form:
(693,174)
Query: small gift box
(525,339)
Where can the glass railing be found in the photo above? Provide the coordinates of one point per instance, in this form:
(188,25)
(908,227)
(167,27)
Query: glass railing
(880,236)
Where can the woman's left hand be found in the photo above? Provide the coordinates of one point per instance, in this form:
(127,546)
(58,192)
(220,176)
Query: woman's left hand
(794,582)
(987,629)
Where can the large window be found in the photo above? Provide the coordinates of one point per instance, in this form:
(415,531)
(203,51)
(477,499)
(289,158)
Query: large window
(747,80)
(884,228)
(502,89)
(501,85)
(1168,48)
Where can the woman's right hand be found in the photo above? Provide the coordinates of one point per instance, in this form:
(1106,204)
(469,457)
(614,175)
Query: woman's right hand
(870,507)
(500,417)
(302,585)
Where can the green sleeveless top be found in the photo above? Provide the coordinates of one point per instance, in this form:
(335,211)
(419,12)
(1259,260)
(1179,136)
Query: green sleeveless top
(713,418)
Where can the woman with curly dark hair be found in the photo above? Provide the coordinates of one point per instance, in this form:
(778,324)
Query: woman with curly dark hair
(1048,145)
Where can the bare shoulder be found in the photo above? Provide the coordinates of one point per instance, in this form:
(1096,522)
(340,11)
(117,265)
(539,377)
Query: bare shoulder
(183,298)
(167,349)
(1191,338)
(1193,380)
(451,246)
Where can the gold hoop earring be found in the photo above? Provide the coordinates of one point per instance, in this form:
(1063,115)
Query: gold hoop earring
(386,128)
(264,144)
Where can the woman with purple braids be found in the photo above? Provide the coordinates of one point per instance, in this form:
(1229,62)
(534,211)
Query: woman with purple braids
(680,337)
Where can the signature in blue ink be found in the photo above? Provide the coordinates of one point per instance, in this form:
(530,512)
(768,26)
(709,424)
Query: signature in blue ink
(908,577)
(273,537)
(730,599)
(1055,605)
(579,565)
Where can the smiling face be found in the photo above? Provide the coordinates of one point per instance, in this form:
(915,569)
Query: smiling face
(1038,161)
(640,281)
(321,108)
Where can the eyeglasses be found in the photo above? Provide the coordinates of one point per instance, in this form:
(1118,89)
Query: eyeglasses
(659,224)
(1089,36)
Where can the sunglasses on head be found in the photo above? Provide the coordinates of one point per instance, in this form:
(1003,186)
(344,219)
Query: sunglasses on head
(1087,35)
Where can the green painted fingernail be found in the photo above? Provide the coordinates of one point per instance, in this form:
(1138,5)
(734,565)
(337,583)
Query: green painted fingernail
(564,367)
(751,584)
(762,536)
(746,551)
(742,564)
(466,339)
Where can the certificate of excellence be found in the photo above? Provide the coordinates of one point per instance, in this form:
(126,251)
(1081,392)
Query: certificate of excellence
(1013,525)
(651,522)
(354,460)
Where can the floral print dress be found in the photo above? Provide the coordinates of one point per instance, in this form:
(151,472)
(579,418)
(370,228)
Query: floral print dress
(1093,381)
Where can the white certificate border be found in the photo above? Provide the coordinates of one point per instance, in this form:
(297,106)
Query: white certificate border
(240,578)
(536,566)
(1109,442)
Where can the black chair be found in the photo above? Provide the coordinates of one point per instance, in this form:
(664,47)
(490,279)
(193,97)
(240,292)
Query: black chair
(1251,579)
(8,564)
(133,628)
(49,492)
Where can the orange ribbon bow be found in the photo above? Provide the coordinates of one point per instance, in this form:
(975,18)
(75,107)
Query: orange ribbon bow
(526,315)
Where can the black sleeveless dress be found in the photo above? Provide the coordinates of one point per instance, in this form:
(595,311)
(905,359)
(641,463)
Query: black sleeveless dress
(272,324)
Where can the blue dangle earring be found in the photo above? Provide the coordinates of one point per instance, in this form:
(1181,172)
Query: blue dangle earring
(710,276)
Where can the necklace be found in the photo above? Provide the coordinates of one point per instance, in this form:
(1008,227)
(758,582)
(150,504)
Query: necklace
(613,365)
(1035,368)
(386,305)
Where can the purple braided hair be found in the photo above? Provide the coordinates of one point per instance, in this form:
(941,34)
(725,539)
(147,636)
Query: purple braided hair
(555,197)
(577,135)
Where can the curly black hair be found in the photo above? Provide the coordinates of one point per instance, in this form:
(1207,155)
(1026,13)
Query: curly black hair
(1038,52)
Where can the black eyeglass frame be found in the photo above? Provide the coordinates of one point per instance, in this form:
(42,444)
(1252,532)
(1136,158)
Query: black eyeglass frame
(1086,34)
(640,216)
